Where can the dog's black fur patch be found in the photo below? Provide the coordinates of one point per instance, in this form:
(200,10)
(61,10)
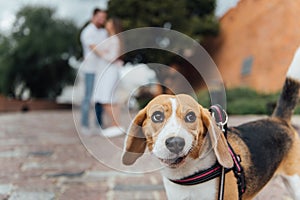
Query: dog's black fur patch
(268,143)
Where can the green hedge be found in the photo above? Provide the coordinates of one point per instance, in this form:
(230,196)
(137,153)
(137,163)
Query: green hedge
(242,101)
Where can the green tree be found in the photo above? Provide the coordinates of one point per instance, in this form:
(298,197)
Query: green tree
(193,17)
(35,55)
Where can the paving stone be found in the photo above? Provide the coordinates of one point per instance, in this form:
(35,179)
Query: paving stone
(109,174)
(9,169)
(137,196)
(94,191)
(6,189)
(26,195)
(41,153)
(31,165)
(71,164)
(135,187)
(66,174)
(36,184)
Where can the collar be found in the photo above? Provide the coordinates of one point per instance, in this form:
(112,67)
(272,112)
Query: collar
(201,176)
(215,172)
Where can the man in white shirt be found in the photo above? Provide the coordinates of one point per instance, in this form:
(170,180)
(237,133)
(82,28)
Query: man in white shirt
(93,34)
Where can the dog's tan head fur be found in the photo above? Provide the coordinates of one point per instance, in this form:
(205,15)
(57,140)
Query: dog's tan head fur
(175,128)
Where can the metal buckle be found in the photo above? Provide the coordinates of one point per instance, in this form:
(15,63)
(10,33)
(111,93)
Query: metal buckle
(221,124)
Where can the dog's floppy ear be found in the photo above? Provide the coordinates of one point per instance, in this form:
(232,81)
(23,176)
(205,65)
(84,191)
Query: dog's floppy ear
(135,143)
(217,139)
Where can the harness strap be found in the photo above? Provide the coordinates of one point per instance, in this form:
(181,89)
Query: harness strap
(238,172)
(222,185)
(221,118)
(202,176)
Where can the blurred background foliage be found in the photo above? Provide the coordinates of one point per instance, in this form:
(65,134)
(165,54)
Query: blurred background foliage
(34,57)
(194,18)
(242,101)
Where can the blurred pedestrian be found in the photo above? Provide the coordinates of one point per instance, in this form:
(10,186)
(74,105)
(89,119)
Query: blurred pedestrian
(107,78)
(93,34)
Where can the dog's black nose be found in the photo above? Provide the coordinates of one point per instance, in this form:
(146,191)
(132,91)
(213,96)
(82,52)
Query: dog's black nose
(175,144)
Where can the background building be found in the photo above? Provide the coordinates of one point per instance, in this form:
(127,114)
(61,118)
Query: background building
(257,42)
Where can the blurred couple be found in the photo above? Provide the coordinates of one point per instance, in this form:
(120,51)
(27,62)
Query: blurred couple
(101,73)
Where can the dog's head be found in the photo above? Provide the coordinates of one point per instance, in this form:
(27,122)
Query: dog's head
(175,128)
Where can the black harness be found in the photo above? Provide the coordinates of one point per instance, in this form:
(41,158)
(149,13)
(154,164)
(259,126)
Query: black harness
(217,170)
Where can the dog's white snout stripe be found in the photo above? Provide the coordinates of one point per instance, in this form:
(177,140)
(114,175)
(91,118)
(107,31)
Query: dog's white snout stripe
(172,128)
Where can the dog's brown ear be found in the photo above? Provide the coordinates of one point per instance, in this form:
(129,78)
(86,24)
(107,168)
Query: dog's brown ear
(217,139)
(135,142)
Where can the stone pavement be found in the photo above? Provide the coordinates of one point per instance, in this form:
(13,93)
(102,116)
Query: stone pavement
(43,158)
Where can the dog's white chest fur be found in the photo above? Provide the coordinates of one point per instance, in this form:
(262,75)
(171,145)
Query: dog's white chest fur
(204,191)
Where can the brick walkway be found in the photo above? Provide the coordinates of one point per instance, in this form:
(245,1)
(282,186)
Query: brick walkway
(42,157)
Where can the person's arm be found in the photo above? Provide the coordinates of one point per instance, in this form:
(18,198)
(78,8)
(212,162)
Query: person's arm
(98,52)
(108,54)
(87,38)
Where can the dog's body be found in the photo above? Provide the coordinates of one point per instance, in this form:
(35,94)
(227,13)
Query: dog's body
(184,136)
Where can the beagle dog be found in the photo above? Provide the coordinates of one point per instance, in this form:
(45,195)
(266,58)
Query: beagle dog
(186,139)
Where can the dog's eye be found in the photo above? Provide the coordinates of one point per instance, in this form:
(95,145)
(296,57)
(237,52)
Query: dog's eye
(190,117)
(158,117)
